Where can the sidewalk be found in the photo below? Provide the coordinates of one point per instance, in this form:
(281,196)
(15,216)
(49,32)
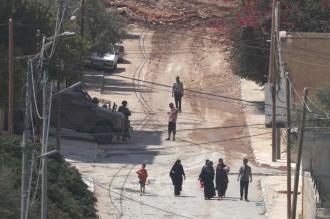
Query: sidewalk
(273,187)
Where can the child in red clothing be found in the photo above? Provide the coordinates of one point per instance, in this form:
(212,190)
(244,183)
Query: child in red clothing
(143,175)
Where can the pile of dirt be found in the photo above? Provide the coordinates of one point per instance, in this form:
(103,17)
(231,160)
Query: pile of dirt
(171,12)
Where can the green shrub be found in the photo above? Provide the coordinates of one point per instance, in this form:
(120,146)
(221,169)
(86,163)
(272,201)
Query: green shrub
(68,195)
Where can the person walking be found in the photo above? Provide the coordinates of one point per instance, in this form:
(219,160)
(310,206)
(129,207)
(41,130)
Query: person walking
(177,175)
(244,177)
(142,175)
(177,92)
(127,113)
(207,177)
(202,172)
(173,114)
(221,179)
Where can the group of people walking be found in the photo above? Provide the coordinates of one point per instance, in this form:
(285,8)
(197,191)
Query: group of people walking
(220,174)
(212,179)
(207,177)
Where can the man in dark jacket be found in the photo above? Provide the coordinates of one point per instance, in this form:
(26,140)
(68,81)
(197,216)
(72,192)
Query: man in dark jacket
(124,110)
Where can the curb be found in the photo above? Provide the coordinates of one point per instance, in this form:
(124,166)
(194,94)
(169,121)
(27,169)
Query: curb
(255,154)
(265,199)
(274,165)
(263,163)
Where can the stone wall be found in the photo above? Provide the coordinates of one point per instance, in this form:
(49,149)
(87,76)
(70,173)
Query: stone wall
(312,208)
(307,60)
(316,158)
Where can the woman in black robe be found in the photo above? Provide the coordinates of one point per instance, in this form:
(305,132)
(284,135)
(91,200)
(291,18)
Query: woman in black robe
(177,175)
(207,176)
(221,179)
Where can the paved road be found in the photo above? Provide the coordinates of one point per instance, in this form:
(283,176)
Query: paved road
(203,132)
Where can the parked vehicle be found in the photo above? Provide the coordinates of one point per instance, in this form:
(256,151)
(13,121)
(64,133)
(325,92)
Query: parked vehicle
(108,60)
(80,112)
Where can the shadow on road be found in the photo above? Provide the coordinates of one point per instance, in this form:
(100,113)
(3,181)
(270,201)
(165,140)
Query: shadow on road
(132,37)
(139,149)
(259,106)
(121,87)
(125,61)
(112,71)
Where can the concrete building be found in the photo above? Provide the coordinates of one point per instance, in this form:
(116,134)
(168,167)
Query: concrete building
(307,59)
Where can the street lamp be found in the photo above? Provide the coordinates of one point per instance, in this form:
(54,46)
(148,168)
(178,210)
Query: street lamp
(45,121)
(64,34)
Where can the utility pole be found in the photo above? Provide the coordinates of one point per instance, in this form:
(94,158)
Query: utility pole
(37,46)
(288,144)
(281,74)
(10,77)
(25,154)
(59,69)
(82,19)
(272,81)
(300,145)
(44,141)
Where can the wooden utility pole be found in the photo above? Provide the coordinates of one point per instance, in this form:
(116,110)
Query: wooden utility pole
(280,74)
(300,145)
(288,144)
(272,81)
(82,19)
(10,77)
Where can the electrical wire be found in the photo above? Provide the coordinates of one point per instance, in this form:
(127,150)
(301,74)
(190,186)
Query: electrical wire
(34,92)
(58,26)
(251,103)
(48,118)
(37,185)
(320,108)
(29,186)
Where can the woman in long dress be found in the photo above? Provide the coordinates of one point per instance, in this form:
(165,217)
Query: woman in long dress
(221,179)
(207,176)
(177,175)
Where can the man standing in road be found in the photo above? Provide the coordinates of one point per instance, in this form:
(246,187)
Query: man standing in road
(177,92)
(244,177)
(173,114)
(124,110)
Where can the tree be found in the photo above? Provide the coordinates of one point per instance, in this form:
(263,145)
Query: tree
(68,195)
(250,50)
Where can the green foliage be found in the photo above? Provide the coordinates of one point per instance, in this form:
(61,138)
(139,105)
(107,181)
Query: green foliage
(250,56)
(322,95)
(253,25)
(319,105)
(68,196)
(103,29)
(27,18)
(9,206)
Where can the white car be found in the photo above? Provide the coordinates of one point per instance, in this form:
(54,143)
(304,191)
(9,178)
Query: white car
(108,60)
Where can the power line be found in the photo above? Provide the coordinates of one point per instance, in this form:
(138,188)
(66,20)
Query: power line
(251,103)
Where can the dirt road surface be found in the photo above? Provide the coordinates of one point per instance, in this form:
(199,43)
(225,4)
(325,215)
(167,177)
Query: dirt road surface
(209,127)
